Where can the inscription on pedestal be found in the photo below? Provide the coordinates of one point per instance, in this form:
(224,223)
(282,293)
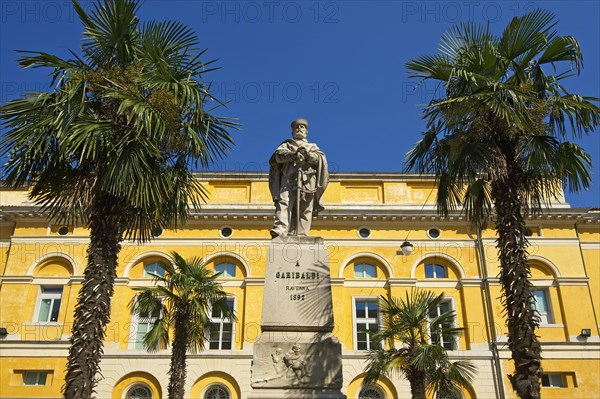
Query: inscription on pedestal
(298,288)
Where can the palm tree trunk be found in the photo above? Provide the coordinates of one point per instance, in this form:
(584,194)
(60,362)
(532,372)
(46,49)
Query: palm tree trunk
(177,369)
(416,379)
(92,311)
(514,277)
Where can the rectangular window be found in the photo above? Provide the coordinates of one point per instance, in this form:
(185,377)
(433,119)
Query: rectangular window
(35,377)
(144,323)
(436,331)
(226,269)
(364,270)
(49,304)
(221,329)
(554,380)
(154,269)
(366,322)
(539,302)
(435,271)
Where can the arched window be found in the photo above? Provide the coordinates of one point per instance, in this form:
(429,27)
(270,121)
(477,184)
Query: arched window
(227,269)
(371,392)
(433,270)
(139,391)
(364,270)
(217,391)
(154,269)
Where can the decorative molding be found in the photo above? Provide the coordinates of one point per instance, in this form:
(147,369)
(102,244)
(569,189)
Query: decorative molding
(541,241)
(126,281)
(438,283)
(543,282)
(253,281)
(590,246)
(402,282)
(51,280)
(566,281)
(226,282)
(364,283)
(56,240)
(546,262)
(471,282)
(50,255)
(16,279)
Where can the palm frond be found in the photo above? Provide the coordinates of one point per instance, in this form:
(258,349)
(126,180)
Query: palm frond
(526,32)
(110,31)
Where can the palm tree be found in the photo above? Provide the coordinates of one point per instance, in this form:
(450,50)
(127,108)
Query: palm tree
(421,326)
(182,299)
(110,147)
(497,144)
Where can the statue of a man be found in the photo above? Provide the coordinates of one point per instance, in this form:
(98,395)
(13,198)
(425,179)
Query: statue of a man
(297,165)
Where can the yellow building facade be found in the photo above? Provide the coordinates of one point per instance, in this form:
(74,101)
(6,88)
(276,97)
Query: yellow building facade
(367,217)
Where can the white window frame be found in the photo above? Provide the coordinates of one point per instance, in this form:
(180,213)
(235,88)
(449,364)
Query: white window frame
(362,270)
(366,320)
(552,380)
(445,268)
(37,375)
(133,331)
(226,273)
(156,265)
(454,340)
(547,316)
(220,321)
(53,296)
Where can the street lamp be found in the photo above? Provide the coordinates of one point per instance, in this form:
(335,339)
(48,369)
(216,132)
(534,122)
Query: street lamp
(406,248)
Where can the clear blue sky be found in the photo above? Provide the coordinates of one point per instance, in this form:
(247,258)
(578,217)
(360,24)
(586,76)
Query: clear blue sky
(338,63)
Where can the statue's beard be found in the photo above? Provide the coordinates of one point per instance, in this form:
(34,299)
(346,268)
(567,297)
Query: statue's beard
(299,135)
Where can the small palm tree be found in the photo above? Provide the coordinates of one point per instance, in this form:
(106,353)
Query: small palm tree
(420,329)
(182,298)
(110,146)
(497,144)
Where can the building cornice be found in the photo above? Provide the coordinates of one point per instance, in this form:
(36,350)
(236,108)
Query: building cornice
(334,213)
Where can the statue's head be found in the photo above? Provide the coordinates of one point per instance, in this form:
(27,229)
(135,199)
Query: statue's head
(299,129)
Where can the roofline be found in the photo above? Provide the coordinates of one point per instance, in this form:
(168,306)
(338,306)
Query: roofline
(264,175)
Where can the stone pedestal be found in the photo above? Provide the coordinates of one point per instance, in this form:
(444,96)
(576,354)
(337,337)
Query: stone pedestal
(297,356)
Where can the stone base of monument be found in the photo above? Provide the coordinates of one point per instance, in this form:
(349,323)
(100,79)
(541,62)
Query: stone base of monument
(297,356)
(297,364)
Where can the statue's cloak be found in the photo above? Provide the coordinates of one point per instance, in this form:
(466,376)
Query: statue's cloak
(276,174)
